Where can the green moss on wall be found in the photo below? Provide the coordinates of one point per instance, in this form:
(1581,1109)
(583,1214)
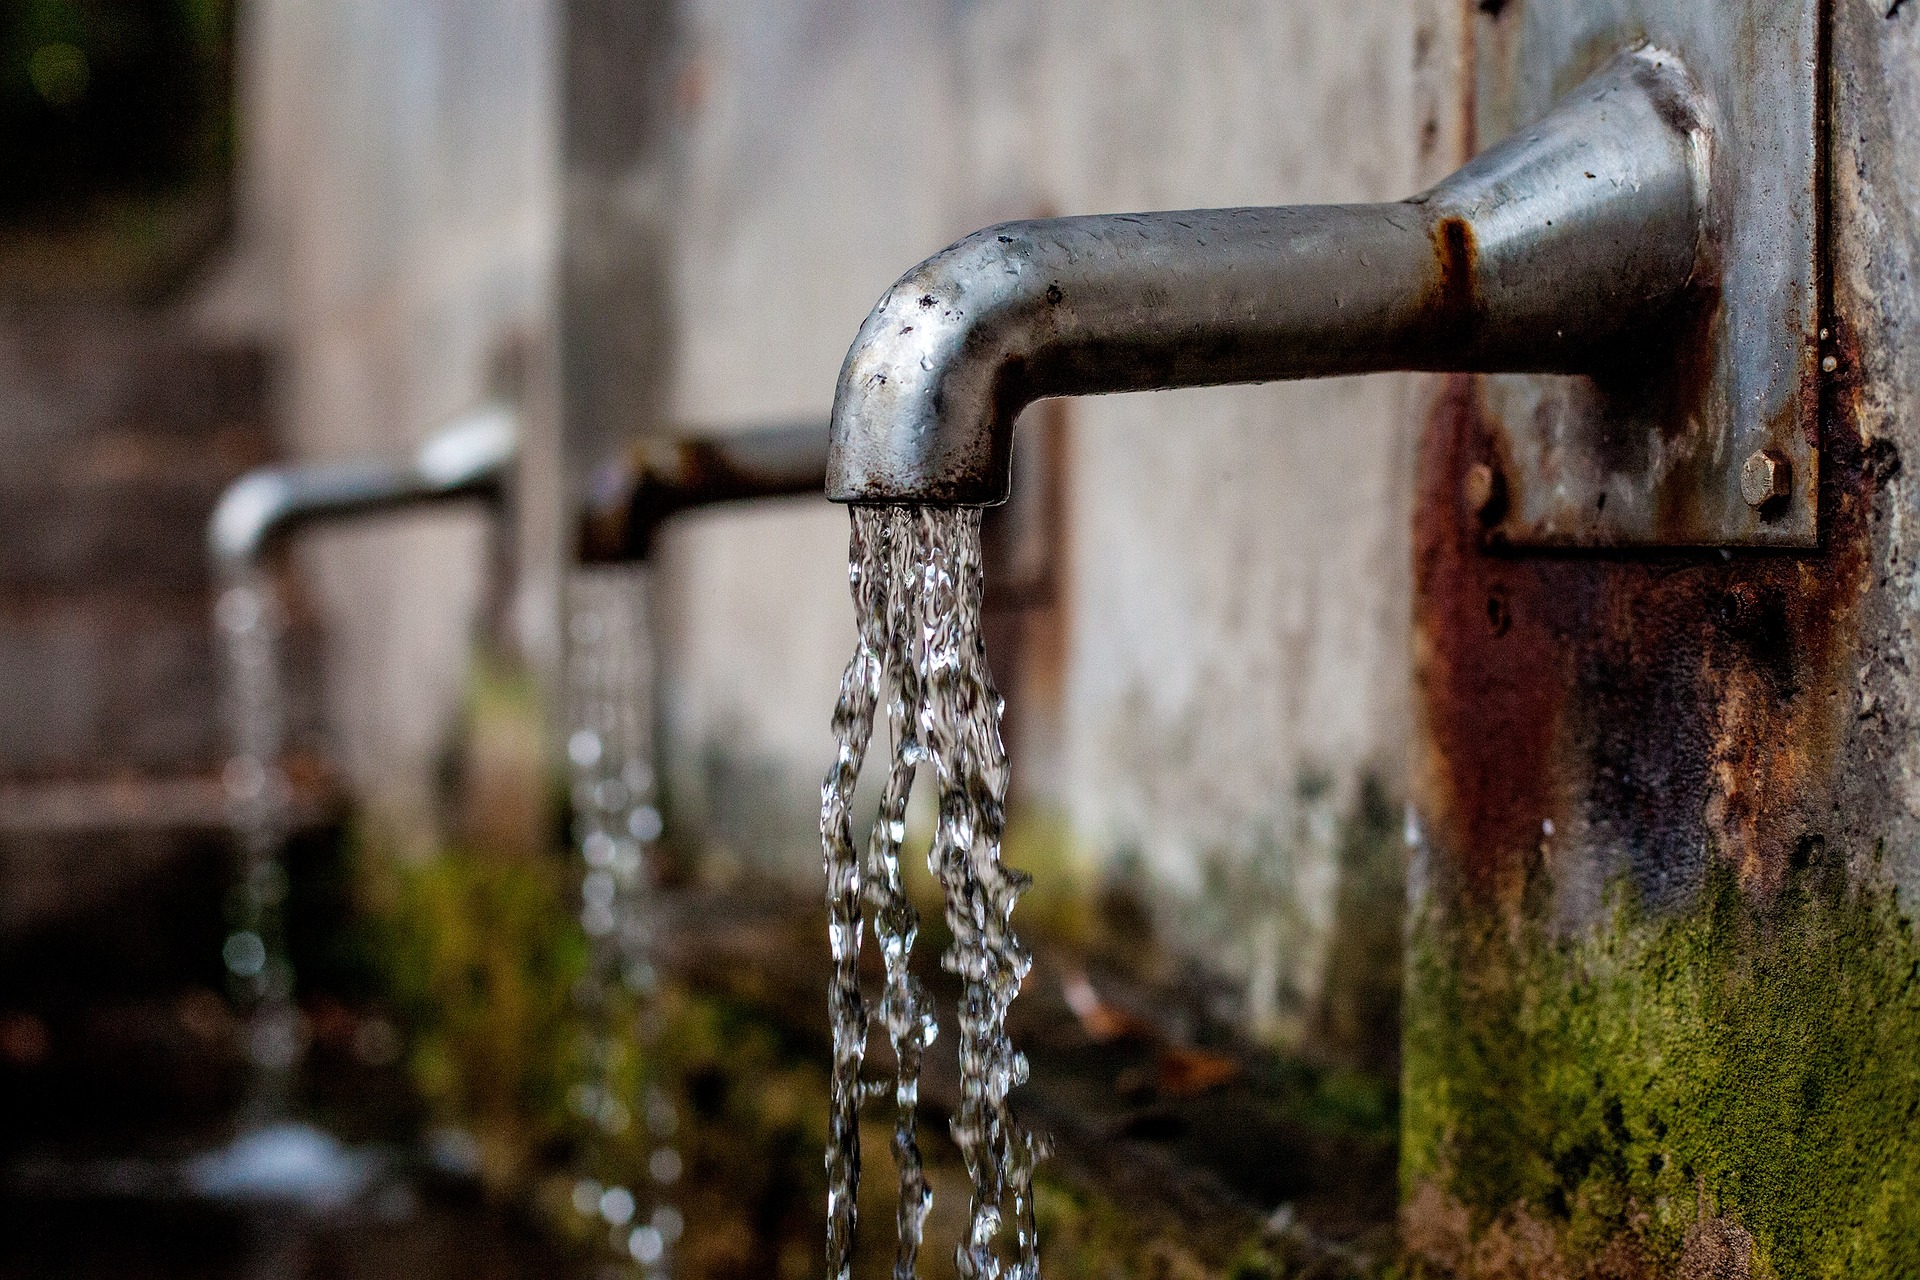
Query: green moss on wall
(1668,1094)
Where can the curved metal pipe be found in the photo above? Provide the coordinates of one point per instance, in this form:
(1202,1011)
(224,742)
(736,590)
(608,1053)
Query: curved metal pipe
(645,484)
(470,458)
(1541,255)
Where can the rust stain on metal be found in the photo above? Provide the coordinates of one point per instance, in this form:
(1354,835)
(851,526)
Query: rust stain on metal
(1735,366)
(1455,253)
(1489,667)
(658,479)
(1672,704)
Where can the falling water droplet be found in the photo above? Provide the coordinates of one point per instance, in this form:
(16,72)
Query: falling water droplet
(245,954)
(583,748)
(616,1206)
(586,1197)
(646,1245)
(664,1165)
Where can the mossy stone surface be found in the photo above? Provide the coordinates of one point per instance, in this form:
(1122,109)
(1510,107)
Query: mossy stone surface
(1747,1067)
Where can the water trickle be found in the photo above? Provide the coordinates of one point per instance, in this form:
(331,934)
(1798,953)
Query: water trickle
(250,622)
(917,585)
(615,823)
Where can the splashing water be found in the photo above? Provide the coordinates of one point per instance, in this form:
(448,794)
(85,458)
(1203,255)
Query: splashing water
(250,622)
(917,587)
(616,822)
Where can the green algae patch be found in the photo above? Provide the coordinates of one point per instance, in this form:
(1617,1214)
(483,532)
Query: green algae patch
(1658,1091)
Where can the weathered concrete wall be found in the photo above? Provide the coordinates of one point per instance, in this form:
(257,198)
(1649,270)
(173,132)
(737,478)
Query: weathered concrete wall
(397,229)
(1233,653)
(1664,983)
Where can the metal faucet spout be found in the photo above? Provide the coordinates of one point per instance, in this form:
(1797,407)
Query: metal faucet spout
(1541,255)
(469,458)
(640,487)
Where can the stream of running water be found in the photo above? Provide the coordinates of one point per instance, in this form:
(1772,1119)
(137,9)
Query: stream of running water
(629,1162)
(917,585)
(250,622)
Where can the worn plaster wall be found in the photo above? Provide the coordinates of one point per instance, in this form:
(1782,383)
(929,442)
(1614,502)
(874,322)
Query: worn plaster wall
(1234,561)
(395,247)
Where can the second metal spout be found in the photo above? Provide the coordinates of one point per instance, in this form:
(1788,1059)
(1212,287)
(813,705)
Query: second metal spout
(642,486)
(1541,255)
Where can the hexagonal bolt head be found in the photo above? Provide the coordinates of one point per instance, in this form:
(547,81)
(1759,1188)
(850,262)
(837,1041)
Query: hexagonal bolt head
(1485,491)
(1767,477)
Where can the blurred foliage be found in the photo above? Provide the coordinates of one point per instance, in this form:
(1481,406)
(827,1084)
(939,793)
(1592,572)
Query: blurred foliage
(751,1124)
(111,98)
(484,962)
(1087,1237)
(482,957)
(1084,1237)
(501,791)
(1057,907)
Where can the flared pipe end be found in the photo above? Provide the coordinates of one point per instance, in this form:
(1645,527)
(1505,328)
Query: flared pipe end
(474,453)
(250,510)
(926,398)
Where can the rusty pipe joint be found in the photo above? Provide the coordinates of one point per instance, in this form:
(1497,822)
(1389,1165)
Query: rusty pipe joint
(642,486)
(1542,255)
(470,458)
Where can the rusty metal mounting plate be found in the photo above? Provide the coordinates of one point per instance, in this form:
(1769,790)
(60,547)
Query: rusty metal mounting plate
(1653,455)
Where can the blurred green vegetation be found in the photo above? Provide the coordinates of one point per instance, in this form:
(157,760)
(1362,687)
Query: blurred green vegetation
(116,145)
(481,958)
(111,99)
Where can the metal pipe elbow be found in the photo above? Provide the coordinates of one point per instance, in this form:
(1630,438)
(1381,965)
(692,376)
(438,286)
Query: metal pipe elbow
(928,391)
(1538,256)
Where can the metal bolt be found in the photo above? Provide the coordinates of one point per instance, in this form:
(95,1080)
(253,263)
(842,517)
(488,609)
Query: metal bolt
(1829,364)
(1483,490)
(1765,478)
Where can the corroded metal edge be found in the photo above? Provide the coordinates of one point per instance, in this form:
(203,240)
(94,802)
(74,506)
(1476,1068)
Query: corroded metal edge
(1630,460)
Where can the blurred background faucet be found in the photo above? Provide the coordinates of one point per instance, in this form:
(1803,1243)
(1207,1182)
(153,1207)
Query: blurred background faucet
(657,477)
(470,458)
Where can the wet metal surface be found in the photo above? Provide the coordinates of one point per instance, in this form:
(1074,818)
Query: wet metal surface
(1655,709)
(1634,256)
